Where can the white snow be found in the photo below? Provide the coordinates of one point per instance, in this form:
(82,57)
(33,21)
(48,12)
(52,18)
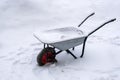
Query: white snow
(19,49)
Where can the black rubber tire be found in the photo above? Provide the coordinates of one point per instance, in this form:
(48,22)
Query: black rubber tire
(43,52)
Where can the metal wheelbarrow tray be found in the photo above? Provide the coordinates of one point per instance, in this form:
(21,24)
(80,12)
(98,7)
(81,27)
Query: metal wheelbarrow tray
(62,39)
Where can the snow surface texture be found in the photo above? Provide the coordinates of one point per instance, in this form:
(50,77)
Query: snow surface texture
(19,49)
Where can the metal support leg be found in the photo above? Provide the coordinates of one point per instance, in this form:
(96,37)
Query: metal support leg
(71,54)
(58,52)
(47,45)
(83,47)
(44,46)
(73,48)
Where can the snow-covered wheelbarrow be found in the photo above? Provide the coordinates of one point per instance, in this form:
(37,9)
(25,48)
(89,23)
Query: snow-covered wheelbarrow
(62,39)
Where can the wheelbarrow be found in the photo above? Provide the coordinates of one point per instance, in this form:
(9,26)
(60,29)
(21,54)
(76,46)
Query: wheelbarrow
(62,39)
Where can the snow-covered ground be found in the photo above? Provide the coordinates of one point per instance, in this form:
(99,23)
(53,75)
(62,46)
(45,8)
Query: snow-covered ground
(19,49)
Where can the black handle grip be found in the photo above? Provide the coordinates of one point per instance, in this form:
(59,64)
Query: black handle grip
(112,20)
(92,14)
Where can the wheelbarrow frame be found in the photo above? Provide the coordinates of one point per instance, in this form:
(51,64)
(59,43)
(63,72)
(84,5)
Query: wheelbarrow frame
(79,41)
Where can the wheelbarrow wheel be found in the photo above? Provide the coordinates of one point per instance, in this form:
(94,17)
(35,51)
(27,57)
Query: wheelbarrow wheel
(47,55)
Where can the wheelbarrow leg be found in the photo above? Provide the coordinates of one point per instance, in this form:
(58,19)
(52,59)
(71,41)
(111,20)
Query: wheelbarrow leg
(68,51)
(44,46)
(73,48)
(83,47)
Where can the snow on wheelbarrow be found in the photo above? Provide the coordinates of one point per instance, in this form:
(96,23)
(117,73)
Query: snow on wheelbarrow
(62,39)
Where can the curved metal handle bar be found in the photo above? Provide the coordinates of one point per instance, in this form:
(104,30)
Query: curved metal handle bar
(86,19)
(93,32)
(102,26)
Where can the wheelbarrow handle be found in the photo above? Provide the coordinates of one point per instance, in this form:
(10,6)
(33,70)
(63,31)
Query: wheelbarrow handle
(86,19)
(102,26)
(93,32)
